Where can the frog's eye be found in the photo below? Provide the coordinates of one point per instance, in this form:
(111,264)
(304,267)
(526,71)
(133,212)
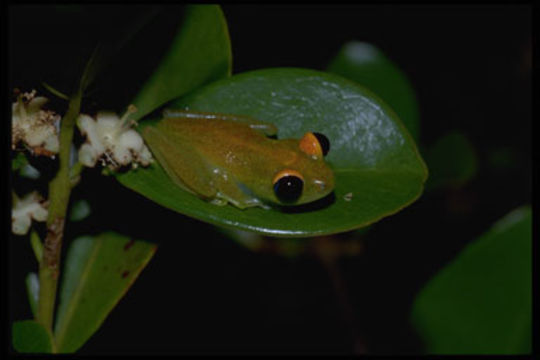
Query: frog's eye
(314,143)
(288,185)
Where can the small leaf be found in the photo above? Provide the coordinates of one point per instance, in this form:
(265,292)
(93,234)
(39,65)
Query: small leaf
(80,210)
(21,164)
(199,54)
(37,245)
(504,159)
(18,161)
(31,337)
(29,172)
(368,66)
(376,164)
(98,272)
(55,92)
(111,44)
(481,303)
(452,161)
(32,289)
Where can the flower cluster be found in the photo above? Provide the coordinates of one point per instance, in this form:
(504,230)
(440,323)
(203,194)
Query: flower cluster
(36,128)
(112,141)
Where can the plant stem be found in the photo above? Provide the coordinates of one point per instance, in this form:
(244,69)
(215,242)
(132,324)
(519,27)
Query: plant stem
(328,257)
(54,91)
(59,193)
(347,310)
(37,246)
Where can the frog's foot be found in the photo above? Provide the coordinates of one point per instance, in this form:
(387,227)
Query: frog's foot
(219,201)
(241,202)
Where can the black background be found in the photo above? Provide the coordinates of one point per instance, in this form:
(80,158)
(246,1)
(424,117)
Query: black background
(471,69)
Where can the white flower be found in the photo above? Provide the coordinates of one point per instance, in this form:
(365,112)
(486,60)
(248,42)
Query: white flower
(30,207)
(111,140)
(36,128)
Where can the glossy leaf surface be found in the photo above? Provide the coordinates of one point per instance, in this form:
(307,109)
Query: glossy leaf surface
(481,303)
(98,272)
(377,166)
(370,67)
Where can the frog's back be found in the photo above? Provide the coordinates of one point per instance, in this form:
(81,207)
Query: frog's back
(229,144)
(207,129)
(216,134)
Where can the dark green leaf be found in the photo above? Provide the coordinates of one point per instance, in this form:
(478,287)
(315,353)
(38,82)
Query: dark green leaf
(199,54)
(481,303)
(80,210)
(367,65)
(37,245)
(111,45)
(31,337)
(21,165)
(451,160)
(378,169)
(98,272)
(18,161)
(505,159)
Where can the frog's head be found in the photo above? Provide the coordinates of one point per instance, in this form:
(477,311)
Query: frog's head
(309,177)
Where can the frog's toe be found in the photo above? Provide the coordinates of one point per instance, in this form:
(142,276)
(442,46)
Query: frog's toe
(219,201)
(243,203)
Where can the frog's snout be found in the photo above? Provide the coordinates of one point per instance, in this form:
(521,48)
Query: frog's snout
(323,184)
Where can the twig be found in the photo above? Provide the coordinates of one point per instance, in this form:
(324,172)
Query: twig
(325,251)
(59,193)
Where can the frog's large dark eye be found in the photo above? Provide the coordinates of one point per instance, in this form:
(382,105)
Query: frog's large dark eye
(323,142)
(288,185)
(315,144)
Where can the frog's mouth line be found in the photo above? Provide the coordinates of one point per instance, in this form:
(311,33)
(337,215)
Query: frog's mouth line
(308,207)
(292,209)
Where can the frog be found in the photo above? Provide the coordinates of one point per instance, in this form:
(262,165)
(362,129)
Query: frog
(238,160)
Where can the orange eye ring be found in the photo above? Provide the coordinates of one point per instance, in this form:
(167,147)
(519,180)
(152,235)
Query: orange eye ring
(286,172)
(314,144)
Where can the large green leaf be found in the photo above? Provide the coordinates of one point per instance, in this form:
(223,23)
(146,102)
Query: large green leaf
(29,336)
(98,272)
(481,303)
(377,166)
(367,65)
(200,53)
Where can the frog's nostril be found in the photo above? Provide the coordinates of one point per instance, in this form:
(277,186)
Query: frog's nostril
(320,185)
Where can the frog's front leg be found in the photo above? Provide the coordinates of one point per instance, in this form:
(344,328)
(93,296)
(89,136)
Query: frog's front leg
(223,199)
(265,128)
(228,191)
